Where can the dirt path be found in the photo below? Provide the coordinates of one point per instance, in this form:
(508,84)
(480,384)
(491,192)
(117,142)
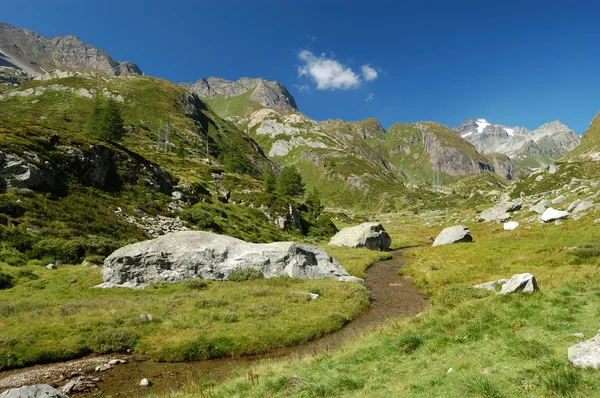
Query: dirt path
(391,296)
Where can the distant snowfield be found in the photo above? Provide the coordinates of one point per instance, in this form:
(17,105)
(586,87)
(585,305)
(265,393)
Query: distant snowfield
(481,124)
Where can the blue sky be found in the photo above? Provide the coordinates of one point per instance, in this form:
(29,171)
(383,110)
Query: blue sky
(511,62)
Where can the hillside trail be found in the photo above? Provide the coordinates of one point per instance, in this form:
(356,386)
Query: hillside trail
(391,295)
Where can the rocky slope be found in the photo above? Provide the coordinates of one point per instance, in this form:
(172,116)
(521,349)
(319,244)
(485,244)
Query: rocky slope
(244,96)
(529,149)
(35,54)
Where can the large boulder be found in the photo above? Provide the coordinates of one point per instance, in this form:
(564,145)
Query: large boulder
(551,214)
(583,206)
(500,212)
(586,354)
(188,254)
(35,391)
(369,235)
(458,233)
(525,283)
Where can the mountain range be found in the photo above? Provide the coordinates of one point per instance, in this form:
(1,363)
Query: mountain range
(528,149)
(351,162)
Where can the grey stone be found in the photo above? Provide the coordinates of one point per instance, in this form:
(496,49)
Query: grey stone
(183,255)
(559,200)
(499,212)
(573,205)
(578,335)
(35,391)
(541,206)
(369,235)
(51,266)
(494,286)
(144,383)
(551,214)
(455,234)
(586,354)
(525,283)
(583,206)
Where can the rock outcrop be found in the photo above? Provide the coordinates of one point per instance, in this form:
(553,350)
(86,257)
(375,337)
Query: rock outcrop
(586,354)
(456,234)
(35,54)
(500,212)
(35,391)
(184,255)
(369,235)
(271,95)
(525,283)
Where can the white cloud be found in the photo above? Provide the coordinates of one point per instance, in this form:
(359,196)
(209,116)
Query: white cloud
(328,73)
(369,73)
(370,97)
(303,88)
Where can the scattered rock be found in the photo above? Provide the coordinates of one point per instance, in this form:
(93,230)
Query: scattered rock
(494,286)
(117,361)
(85,263)
(369,235)
(146,317)
(144,383)
(51,266)
(559,199)
(541,206)
(458,233)
(583,206)
(509,226)
(499,212)
(551,214)
(525,283)
(586,354)
(539,178)
(183,255)
(557,222)
(578,335)
(79,384)
(573,205)
(35,391)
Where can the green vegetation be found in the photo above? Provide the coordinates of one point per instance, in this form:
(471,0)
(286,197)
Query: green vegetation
(53,315)
(289,182)
(106,122)
(496,346)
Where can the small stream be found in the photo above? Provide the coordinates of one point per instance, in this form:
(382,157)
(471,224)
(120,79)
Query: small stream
(391,296)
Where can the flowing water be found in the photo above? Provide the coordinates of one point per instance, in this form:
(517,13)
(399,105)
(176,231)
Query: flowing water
(391,296)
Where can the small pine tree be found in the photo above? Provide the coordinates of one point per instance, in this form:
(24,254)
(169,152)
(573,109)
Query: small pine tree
(269,181)
(289,182)
(314,202)
(110,125)
(94,121)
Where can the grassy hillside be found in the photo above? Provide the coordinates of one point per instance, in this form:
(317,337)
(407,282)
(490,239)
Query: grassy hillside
(470,342)
(590,141)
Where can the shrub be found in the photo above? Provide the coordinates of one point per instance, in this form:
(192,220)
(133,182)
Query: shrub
(6,281)
(196,284)
(200,217)
(248,274)
(114,339)
(409,343)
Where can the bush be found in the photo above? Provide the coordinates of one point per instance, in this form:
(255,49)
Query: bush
(114,339)
(200,217)
(6,281)
(196,284)
(248,274)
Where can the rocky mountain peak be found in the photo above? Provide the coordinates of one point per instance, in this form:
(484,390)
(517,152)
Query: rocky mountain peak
(270,94)
(35,54)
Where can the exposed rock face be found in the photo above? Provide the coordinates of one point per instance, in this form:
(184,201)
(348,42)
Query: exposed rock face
(26,171)
(271,95)
(525,283)
(503,166)
(369,235)
(456,234)
(499,212)
(183,255)
(35,391)
(550,139)
(551,214)
(451,160)
(35,54)
(586,354)
(547,143)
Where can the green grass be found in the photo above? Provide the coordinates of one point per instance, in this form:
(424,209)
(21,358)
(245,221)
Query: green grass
(52,316)
(497,346)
